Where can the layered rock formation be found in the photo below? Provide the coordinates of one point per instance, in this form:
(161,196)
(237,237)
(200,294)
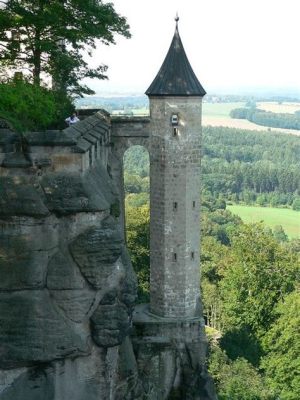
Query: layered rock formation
(67,287)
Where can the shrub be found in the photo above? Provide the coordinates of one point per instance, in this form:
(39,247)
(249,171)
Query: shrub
(29,107)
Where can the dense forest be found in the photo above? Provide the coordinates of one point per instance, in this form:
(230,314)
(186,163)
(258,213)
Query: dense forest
(250,274)
(251,166)
(237,165)
(268,118)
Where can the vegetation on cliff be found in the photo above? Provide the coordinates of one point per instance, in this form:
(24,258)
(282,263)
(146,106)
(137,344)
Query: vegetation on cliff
(47,43)
(29,107)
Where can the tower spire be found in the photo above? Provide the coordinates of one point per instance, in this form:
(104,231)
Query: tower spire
(176,20)
(176,76)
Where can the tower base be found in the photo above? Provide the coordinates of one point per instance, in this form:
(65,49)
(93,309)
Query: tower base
(171,356)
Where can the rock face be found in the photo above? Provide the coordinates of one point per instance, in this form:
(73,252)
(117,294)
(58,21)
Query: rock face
(32,331)
(67,287)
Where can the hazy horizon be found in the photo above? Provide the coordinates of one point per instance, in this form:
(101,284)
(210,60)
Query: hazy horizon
(242,91)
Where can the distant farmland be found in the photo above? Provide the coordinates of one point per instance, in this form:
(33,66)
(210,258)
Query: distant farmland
(275,107)
(288,219)
(217,114)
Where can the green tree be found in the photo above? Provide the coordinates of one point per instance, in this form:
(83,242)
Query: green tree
(137,199)
(219,224)
(236,380)
(214,258)
(132,183)
(27,107)
(138,243)
(50,36)
(282,344)
(279,233)
(296,204)
(262,272)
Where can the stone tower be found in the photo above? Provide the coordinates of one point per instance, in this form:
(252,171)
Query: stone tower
(169,338)
(175,112)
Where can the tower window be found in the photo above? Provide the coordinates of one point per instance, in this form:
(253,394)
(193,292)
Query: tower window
(175,205)
(174,120)
(174,256)
(192,255)
(194,204)
(175,131)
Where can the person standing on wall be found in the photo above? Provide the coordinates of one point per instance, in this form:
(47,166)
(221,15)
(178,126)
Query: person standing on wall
(73,119)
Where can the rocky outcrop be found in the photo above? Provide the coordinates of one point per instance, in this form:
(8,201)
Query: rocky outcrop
(32,331)
(96,252)
(73,193)
(67,287)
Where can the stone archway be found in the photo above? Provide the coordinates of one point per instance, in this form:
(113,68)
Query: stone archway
(125,133)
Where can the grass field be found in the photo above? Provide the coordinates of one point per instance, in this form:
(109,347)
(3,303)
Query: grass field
(220,110)
(288,219)
(217,114)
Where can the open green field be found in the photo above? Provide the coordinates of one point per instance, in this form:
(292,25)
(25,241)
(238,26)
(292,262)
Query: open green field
(288,219)
(217,114)
(220,110)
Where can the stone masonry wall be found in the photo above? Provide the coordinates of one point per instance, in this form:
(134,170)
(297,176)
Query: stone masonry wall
(174,197)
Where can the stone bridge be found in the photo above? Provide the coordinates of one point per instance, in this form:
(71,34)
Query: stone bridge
(125,133)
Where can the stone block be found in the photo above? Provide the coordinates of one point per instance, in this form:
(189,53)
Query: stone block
(110,324)
(63,273)
(75,304)
(68,193)
(20,267)
(83,378)
(128,292)
(32,331)
(96,252)
(26,246)
(18,197)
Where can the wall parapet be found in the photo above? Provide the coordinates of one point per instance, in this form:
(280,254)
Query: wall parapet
(134,127)
(73,149)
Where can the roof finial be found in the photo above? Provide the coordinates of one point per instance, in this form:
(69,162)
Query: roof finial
(176,19)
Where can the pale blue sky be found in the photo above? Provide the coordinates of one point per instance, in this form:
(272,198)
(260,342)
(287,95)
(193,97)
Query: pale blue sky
(232,44)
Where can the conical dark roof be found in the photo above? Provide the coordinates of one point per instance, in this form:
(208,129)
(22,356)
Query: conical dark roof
(176,76)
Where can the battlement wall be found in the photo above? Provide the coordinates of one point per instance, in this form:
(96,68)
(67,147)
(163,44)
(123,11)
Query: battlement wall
(75,149)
